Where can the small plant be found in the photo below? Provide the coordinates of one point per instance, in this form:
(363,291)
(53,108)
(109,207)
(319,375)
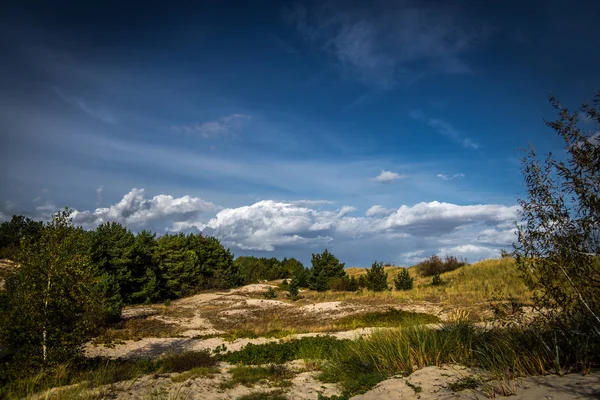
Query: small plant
(285,282)
(463,383)
(248,376)
(403,280)
(436,280)
(417,389)
(270,293)
(187,360)
(167,302)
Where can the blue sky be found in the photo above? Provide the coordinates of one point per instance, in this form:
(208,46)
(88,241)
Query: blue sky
(382,130)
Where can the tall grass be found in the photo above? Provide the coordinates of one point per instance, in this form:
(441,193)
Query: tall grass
(92,373)
(502,353)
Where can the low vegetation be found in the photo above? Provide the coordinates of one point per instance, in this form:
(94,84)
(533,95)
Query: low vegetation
(249,376)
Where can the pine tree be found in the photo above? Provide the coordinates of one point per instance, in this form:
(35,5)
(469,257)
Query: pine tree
(377,277)
(403,280)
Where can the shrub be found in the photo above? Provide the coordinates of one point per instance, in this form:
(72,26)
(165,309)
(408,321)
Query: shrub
(377,278)
(344,284)
(436,280)
(434,265)
(403,280)
(293,290)
(186,361)
(270,293)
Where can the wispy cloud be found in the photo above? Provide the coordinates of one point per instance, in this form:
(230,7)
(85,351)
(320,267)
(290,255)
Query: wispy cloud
(391,43)
(445,128)
(93,111)
(450,177)
(388,176)
(229,125)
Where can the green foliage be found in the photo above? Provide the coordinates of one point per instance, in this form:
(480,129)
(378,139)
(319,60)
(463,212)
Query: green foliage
(558,248)
(321,283)
(314,348)
(436,280)
(377,278)
(270,293)
(293,289)
(325,266)
(345,284)
(53,302)
(434,265)
(180,362)
(403,281)
(463,384)
(11,233)
(392,318)
(253,269)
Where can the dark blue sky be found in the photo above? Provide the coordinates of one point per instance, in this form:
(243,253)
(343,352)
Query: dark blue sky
(383,130)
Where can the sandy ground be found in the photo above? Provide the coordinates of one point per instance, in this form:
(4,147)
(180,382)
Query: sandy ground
(433,382)
(193,315)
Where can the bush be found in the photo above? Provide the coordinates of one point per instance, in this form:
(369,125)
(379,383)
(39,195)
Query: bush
(377,278)
(293,290)
(344,284)
(270,293)
(403,280)
(434,265)
(185,361)
(436,280)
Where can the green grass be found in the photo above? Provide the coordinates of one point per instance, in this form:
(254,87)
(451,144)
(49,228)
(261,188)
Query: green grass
(463,384)
(16,384)
(312,348)
(390,318)
(248,334)
(506,353)
(249,376)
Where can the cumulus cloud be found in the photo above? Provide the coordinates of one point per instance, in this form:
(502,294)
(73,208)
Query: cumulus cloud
(388,176)
(378,211)
(450,177)
(470,250)
(268,224)
(136,211)
(390,44)
(229,125)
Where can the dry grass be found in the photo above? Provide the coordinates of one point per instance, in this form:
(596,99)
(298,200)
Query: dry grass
(137,329)
(470,287)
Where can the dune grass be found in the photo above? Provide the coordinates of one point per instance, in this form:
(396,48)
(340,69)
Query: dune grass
(249,376)
(391,318)
(93,373)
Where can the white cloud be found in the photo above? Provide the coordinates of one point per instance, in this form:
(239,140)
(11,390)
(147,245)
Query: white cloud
(388,176)
(136,211)
(412,257)
(378,211)
(229,125)
(450,177)
(470,250)
(268,225)
(390,44)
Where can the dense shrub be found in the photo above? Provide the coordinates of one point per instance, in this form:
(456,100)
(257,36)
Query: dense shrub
(344,284)
(377,277)
(403,280)
(325,266)
(434,265)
